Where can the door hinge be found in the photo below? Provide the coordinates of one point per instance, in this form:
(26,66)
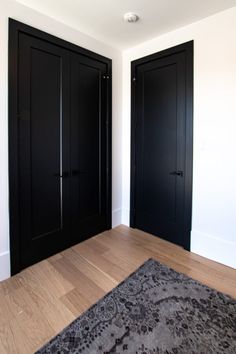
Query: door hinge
(23,116)
(106,77)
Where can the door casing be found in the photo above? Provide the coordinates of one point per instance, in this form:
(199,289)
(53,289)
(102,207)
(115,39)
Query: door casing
(15,28)
(187,48)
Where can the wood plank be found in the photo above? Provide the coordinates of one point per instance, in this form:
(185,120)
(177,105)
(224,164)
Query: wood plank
(101,279)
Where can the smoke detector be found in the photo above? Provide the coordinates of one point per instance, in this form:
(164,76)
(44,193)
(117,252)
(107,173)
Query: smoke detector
(131,17)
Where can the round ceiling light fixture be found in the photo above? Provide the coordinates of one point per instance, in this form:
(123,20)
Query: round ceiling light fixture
(131,17)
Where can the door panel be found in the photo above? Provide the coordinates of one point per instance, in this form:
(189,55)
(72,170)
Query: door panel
(45,127)
(88,151)
(160,146)
(43,148)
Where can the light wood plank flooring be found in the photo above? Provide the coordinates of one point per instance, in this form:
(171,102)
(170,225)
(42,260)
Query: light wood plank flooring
(41,300)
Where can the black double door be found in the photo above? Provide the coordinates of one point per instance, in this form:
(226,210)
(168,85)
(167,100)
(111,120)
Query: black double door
(162,144)
(62,148)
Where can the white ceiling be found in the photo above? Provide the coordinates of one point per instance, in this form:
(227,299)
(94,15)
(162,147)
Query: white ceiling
(103,19)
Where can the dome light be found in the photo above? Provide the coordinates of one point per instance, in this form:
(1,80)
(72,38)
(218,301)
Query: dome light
(131,17)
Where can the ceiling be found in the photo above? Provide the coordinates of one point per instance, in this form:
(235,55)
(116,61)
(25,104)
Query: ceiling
(103,19)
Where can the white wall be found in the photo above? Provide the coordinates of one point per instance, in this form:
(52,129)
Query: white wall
(214,173)
(19,12)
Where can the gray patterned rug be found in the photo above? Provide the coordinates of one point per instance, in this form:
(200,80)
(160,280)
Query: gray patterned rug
(154,311)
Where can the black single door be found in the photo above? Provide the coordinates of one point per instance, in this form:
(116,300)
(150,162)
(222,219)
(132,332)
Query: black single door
(43,149)
(161,161)
(88,146)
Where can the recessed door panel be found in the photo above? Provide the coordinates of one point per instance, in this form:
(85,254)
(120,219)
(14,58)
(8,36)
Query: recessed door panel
(159,134)
(45,142)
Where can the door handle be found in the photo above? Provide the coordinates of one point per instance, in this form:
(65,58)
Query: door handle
(66,174)
(177,173)
(63,175)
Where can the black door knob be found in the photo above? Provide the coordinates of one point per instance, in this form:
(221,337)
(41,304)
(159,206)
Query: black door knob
(177,173)
(62,175)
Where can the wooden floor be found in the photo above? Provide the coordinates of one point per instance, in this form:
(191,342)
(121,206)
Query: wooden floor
(41,300)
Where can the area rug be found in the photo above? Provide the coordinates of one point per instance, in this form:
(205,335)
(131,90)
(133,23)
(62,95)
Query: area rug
(154,311)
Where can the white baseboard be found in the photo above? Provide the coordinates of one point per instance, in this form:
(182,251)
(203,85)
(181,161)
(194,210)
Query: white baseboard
(125,217)
(4,265)
(214,248)
(205,245)
(116,217)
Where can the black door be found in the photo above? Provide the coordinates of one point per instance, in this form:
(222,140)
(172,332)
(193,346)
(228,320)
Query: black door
(59,134)
(43,149)
(88,146)
(161,150)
